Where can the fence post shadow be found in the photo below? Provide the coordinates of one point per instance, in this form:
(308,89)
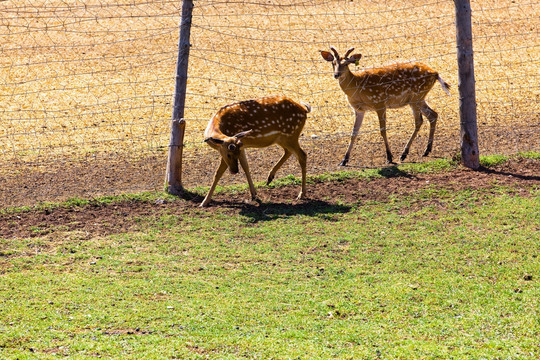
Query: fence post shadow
(505,173)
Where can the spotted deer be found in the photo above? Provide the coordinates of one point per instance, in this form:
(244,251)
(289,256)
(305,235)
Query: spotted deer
(256,124)
(387,87)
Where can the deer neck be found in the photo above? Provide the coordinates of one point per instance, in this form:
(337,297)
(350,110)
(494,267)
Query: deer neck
(213,131)
(349,83)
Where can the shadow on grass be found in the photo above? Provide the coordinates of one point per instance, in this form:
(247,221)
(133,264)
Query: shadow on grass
(393,172)
(267,211)
(390,171)
(272,211)
(190,196)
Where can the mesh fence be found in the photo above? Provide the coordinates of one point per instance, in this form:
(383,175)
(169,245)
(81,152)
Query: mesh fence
(86,86)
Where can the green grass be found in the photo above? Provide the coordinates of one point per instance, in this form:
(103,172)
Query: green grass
(390,171)
(105,200)
(411,278)
(493,160)
(530,155)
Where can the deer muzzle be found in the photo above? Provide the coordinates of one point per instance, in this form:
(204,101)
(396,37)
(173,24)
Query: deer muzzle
(233,167)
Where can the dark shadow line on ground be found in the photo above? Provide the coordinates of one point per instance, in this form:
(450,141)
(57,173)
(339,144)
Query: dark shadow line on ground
(486,170)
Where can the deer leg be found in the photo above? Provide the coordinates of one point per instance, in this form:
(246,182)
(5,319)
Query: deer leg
(219,173)
(281,161)
(381,113)
(244,163)
(432,117)
(302,159)
(356,128)
(417,124)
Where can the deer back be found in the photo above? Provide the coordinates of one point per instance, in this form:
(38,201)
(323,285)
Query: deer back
(390,86)
(269,119)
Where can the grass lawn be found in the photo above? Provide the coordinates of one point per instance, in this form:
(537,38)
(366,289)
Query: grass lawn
(434,275)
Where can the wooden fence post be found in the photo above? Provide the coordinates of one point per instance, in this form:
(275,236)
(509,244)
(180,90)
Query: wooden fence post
(173,177)
(470,156)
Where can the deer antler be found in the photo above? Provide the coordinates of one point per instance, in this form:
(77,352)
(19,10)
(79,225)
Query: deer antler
(335,52)
(347,53)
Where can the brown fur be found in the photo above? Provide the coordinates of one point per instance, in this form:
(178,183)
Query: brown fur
(256,123)
(387,87)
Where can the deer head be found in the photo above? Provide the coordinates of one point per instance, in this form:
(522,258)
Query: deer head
(340,64)
(229,148)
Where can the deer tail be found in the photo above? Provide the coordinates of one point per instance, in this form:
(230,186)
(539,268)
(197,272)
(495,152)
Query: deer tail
(444,84)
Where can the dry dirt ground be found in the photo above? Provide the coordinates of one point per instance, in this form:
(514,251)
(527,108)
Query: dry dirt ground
(520,175)
(46,180)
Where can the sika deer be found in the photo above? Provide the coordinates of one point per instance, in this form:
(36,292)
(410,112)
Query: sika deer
(256,123)
(387,87)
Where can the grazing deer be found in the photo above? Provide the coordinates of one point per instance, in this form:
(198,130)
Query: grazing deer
(387,87)
(257,124)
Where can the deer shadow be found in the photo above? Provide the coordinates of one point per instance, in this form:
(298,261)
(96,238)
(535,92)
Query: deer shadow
(389,171)
(269,211)
(394,171)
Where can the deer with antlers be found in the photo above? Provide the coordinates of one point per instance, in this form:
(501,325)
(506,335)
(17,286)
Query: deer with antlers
(387,87)
(256,124)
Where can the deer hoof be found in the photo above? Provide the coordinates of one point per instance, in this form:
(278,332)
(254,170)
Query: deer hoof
(343,162)
(428,150)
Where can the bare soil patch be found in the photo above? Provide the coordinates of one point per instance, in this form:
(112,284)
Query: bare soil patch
(26,184)
(518,174)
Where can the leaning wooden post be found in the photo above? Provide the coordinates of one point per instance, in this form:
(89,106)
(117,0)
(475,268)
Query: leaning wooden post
(470,156)
(173,177)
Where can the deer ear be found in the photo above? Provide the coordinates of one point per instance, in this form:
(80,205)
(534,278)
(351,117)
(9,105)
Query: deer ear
(242,134)
(214,140)
(354,59)
(327,56)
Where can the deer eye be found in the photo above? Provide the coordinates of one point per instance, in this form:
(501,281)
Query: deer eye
(232,147)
